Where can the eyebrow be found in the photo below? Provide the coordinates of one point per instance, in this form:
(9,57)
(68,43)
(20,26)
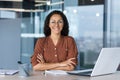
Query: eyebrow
(55,20)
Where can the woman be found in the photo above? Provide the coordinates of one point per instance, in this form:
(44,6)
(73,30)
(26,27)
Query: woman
(57,50)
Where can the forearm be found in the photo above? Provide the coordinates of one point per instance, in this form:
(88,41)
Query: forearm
(45,66)
(53,66)
(65,65)
(66,68)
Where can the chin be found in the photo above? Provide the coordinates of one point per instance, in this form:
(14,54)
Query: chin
(57,32)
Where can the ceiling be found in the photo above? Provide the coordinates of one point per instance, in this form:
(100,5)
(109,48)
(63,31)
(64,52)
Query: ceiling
(38,5)
(23,5)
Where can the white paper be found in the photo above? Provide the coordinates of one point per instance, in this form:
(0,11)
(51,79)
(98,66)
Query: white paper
(8,72)
(56,72)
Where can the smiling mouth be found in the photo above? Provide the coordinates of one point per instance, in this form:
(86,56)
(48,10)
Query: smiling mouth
(56,29)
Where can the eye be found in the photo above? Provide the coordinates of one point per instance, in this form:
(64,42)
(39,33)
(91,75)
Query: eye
(52,21)
(61,21)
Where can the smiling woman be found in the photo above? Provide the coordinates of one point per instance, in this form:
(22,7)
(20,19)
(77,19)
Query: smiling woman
(56,24)
(56,51)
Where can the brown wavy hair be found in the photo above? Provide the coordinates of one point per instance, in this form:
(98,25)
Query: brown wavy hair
(65,29)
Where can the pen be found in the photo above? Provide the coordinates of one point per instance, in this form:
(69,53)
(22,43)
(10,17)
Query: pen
(44,73)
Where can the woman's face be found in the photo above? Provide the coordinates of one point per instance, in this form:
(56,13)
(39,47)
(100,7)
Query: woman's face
(56,24)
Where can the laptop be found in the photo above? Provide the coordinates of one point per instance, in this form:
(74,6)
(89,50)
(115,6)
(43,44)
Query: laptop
(107,63)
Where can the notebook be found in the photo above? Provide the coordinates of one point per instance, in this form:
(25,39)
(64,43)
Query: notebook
(8,72)
(107,63)
(55,72)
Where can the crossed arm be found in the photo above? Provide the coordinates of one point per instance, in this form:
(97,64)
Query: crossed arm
(65,65)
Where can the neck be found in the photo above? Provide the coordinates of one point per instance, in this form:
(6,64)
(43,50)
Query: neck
(55,37)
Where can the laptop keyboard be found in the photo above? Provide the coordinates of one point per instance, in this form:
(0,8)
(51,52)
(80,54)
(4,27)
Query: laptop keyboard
(81,71)
(87,73)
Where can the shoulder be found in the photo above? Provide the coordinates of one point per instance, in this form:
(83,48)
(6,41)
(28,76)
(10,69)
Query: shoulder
(69,38)
(70,41)
(41,39)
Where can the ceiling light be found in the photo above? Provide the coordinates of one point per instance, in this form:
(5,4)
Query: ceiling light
(97,14)
(13,0)
(56,3)
(75,11)
(64,11)
(48,3)
(92,0)
(40,1)
(39,5)
(21,10)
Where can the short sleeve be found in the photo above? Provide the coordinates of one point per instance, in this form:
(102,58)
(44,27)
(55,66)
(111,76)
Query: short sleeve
(72,49)
(37,50)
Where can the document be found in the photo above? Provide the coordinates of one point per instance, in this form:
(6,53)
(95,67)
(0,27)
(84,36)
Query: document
(56,72)
(8,72)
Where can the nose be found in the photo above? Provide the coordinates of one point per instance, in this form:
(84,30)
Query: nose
(56,23)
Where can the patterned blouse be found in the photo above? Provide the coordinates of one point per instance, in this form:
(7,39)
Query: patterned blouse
(65,48)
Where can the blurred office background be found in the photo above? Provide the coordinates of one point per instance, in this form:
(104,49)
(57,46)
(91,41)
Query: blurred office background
(94,24)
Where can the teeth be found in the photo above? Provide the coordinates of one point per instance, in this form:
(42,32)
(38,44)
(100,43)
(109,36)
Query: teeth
(56,29)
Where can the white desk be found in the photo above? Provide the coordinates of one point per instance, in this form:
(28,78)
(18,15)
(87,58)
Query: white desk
(40,76)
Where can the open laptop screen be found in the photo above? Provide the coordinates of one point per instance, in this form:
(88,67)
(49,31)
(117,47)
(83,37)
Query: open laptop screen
(107,62)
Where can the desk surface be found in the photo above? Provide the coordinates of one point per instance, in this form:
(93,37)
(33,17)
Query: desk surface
(37,75)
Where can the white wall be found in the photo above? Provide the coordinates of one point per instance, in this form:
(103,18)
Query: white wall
(9,43)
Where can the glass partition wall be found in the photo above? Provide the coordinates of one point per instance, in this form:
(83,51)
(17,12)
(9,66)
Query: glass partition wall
(88,23)
(87,29)
(86,26)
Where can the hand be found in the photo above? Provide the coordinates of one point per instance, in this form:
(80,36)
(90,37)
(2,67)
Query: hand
(40,58)
(68,62)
